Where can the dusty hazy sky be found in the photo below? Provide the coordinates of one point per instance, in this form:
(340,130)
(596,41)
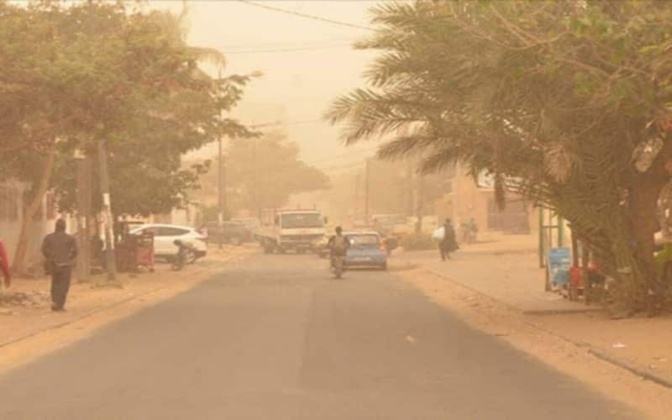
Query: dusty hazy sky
(306,63)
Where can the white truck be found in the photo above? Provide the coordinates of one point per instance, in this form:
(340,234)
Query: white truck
(290,230)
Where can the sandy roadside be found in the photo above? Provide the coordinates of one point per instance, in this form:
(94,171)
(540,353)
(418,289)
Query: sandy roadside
(492,317)
(30,331)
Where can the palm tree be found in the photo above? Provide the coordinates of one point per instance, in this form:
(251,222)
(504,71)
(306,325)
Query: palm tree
(545,95)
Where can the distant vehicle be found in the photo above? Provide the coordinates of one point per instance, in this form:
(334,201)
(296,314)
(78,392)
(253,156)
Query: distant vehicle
(390,224)
(366,250)
(252,223)
(291,230)
(233,232)
(165,235)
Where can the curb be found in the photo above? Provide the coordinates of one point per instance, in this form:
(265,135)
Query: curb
(578,310)
(560,311)
(641,372)
(599,354)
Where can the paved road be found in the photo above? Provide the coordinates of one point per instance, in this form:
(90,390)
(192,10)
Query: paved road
(277,339)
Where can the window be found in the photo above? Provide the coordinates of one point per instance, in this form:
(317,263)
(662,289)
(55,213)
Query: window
(301,220)
(364,241)
(151,230)
(171,231)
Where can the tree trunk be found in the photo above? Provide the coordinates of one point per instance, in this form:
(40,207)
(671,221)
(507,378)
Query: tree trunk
(19,265)
(419,205)
(643,223)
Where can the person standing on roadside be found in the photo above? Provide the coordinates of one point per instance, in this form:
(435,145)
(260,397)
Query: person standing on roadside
(449,242)
(59,250)
(4,265)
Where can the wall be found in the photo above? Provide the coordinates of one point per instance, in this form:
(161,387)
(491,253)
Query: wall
(11,218)
(464,199)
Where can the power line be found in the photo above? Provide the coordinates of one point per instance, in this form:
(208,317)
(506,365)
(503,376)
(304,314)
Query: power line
(342,156)
(304,15)
(282,123)
(287,43)
(321,47)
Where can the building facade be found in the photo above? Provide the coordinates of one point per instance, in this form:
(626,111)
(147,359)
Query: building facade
(13,200)
(466,198)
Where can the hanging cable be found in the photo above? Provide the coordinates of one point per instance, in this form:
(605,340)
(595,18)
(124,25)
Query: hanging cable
(316,48)
(288,44)
(304,15)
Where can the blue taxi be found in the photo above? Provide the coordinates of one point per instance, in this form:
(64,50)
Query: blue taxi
(366,251)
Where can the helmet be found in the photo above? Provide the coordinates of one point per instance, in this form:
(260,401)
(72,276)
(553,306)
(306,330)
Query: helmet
(339,229)
(177,242)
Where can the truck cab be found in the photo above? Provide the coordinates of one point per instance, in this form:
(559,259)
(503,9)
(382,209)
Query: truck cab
(292,230)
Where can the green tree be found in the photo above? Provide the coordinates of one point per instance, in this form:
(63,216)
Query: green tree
(556,99)
(105,72)
(264,172)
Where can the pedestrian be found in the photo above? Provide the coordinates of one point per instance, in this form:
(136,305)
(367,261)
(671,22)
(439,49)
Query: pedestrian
(59,250)
(449,242)
(473,230)
(4,265)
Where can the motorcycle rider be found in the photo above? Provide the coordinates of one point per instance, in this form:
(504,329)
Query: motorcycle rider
(338,245)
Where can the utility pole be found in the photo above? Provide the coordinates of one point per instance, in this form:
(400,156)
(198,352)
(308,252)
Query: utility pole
(357,203)
(419,203)
(367,178)
(220,189)
(82,191)
(86,249)
(104,183)
(108,220)
(457,194)
(255,180)
(221,186)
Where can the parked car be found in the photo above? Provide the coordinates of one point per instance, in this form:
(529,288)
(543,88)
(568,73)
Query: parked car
(366,250)
(165,235)
(234,233)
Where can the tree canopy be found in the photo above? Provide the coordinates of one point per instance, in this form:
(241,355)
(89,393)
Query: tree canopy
(264,172)
(75,76)
(108,72)
(566,102)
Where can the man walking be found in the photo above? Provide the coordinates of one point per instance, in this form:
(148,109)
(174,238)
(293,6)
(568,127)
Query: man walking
(449,242)
(59,250)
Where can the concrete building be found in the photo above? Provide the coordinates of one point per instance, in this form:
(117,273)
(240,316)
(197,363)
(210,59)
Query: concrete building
(467,198)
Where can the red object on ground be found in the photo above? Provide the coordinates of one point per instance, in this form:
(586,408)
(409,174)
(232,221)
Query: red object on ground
(575,276)
(4,264)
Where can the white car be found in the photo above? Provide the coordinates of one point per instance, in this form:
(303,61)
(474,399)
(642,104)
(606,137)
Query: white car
(165,235)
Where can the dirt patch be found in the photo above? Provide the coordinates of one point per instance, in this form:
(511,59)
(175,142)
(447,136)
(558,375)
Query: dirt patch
(31,299)
(542,342)
(30,329)
(407,266)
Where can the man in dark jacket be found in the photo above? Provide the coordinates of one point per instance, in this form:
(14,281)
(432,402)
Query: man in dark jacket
(449,242)
(59,250)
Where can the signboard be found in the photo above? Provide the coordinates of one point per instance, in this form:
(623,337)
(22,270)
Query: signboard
(559,262)
(485,180)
